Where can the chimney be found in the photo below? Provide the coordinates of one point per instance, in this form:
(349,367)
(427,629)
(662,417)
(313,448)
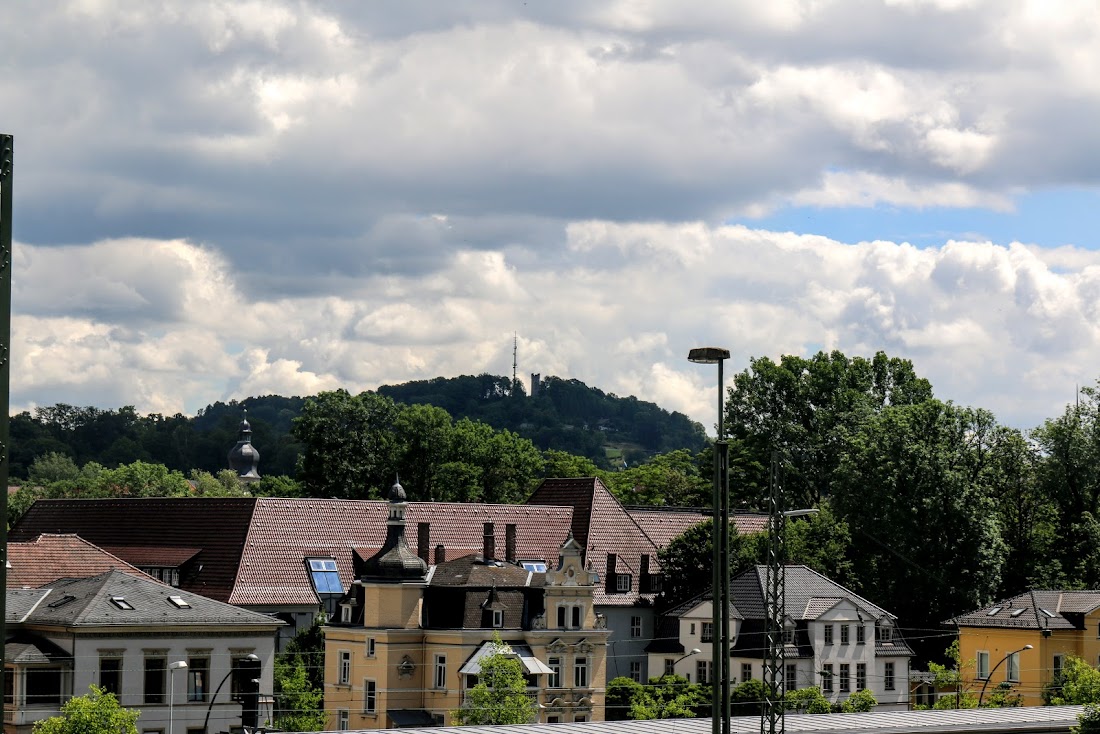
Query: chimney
(610,581)
(440,554)
(423,545)
(510,542)
(643,575)
(489,546)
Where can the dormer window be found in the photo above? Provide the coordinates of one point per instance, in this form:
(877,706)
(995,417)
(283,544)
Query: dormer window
(325,576)
(498,618)
(622,583)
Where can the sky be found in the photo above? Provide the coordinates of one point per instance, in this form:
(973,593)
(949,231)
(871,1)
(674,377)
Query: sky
(216,200)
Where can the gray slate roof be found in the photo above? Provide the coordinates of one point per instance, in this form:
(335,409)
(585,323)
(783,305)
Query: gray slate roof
(87,602)
(1035,609)
(808,594)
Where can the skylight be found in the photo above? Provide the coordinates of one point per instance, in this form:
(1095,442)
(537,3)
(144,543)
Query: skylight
(121,603)
(1047,612)
(994,611)
(535,566)
(326,578)
(179,602)
(62,601)
(1017,612)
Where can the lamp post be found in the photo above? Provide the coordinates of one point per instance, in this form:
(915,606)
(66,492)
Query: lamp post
(999,664)
(677,661)
(720,619)
(232,669)
(172,668)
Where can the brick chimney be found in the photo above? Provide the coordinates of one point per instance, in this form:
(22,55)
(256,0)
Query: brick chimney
(610,580)
(489,545)
(440,554)
(510,542)
(644,582)
(423,543)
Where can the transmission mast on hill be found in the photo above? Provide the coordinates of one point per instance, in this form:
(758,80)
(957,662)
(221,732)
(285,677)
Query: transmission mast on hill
(515,352)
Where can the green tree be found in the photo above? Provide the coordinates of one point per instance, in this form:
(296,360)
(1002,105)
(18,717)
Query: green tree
(561,464)
(808,701)
(225,484)
(1088,720)
(668,697)
(808,407)
(348,444)
(950,677)
(860,701)
(500,696)
(424,435)
(620,696)
(747,699)
(52,467)
(300,683)
(914,489)
(96,712)
(1079,683)
(665,479)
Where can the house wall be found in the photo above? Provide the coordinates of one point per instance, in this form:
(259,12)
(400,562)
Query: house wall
(221,649)
(1036,665)
(623,648)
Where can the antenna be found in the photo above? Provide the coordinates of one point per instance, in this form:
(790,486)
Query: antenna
(515,351)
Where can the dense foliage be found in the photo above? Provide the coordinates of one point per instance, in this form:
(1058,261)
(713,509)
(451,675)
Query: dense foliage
(96,712)
(299,682)
(665,697)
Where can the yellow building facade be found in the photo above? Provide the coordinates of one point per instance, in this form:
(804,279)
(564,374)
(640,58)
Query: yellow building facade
(405,649)
(1021,643)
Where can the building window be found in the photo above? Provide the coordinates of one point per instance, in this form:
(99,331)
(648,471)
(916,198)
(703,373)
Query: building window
(576,618)
(198,669)
(702,671)
(580,673)
(440,671)
(635,671)
(888,676)
(708,631)
(692,632)
(370,696)
(342,720)
(635,626)
(553,719)
(746,672)
(498,618)
(1058,662)
(983,664)
(861,676)
(844,634)
(1012,667)
(827,678)
(622,582)
(670,668)
(828,634)
(861,634)
(43,685)
(110,674)
(345,613)
(156,669)
(345,668)
(845,680)
(882,634)
(788,635)
(792,678)
(326,578)
(554,679)
(580,718)
(569,617)
(370,647)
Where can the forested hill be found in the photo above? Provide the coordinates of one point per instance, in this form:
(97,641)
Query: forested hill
(566,415)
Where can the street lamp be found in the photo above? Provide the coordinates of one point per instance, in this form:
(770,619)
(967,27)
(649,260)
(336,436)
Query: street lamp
(720,580)
(677,661)
(172,668)
(232,669)
(999,664)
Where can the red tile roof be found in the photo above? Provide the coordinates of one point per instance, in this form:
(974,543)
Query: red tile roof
(662,524)
(51,557)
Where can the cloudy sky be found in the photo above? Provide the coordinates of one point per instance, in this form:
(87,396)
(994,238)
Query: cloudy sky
(219,199)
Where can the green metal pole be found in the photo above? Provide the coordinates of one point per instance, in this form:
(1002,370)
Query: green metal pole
(6,163)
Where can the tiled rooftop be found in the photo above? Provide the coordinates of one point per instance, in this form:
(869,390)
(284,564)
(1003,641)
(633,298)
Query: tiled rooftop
(663,524)
(50,557)
(1036,609)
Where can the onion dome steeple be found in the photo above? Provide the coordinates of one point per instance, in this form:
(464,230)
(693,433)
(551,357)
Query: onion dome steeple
(395,561)
(244,458)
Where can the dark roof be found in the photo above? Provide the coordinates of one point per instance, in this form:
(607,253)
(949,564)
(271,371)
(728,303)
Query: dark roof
(1036,609)
(602,526)
(808,594)
(131,526)
(117,599)
(50,557)
(24,648)
(473,570)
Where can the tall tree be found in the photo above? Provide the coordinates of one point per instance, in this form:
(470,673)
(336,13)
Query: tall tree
(349,444)
(805,408)
(913,487)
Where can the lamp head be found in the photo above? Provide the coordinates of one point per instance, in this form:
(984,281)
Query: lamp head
(1028,647)
(178,665)
(695,651)
(708,355)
